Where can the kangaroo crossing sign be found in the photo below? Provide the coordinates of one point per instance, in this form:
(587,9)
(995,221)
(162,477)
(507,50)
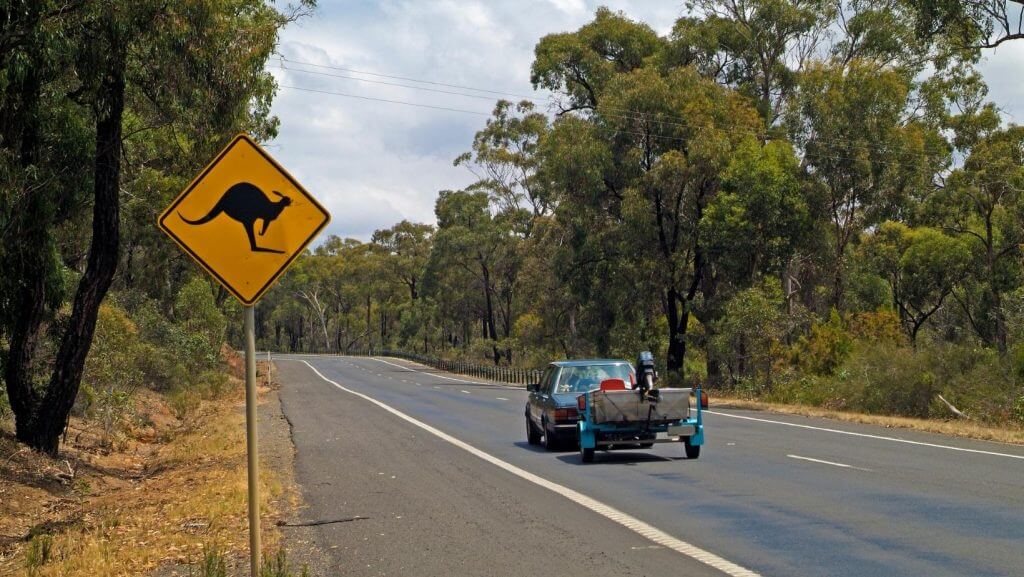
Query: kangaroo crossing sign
(244,219)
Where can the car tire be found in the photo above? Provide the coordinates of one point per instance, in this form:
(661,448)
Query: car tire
(692,451)
(549,440)
(587,455)
(532,434)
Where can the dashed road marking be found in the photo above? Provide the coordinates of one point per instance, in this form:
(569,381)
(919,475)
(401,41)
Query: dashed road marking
(833,463)
(650,532)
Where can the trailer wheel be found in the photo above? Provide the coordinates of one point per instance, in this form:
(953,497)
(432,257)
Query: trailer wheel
(532,434)
(587,455)
(692,451)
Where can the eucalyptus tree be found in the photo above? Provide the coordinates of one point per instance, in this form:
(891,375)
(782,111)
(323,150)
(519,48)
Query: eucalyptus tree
(922,266)
(970,24)
(757,47)
(983,202)
(505,159)
(80,74)
(862,151)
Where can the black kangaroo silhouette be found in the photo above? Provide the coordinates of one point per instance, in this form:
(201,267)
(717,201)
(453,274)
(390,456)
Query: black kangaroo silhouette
(246,203)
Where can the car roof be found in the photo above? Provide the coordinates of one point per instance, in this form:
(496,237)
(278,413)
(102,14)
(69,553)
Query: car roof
(589,362)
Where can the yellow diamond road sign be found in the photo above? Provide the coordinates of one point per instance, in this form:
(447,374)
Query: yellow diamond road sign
(244,219)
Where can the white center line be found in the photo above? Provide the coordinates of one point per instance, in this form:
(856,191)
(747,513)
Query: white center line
(879,437)
(501,398)
(632,523)
(467,392)
(834,464)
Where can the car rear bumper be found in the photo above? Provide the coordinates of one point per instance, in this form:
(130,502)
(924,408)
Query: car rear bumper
(565,431)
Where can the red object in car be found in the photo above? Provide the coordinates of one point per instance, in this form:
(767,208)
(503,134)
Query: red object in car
(613,385)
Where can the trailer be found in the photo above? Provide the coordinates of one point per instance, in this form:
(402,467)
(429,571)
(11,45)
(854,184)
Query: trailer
(615,416)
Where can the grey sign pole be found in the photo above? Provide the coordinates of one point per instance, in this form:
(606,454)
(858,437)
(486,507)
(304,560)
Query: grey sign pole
(251,441)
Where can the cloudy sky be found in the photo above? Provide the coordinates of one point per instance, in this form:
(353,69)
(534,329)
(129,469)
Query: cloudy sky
(374,163)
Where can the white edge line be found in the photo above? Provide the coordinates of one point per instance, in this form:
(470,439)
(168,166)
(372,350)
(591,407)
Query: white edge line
(632,523)
(834,464)
(880,437)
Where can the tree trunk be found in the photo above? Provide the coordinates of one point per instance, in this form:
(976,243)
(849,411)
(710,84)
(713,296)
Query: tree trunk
(492,332)
(678,322)
(44,430)
(30,264)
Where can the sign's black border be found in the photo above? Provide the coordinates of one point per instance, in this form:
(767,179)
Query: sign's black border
(170,210)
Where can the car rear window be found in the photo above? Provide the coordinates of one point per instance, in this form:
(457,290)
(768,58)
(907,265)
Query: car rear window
(586,378)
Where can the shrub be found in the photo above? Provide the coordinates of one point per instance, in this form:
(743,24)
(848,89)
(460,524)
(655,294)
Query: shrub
(277,566)
(39,553)
(112,372)
(747,337)
(825,348)
(1018,410)
(5,407)
(214,563)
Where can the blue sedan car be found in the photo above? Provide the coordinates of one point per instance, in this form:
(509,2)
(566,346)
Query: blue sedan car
(551,413)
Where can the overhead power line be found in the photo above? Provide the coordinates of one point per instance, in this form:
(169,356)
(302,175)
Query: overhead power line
(651,135)
(623,113)
(416,104)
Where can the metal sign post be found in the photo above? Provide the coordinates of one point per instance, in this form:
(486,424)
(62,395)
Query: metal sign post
(214,220)
(252,444)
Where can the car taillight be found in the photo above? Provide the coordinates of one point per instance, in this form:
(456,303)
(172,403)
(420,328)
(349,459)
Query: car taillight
(581,402)
(703,399)
(566,414)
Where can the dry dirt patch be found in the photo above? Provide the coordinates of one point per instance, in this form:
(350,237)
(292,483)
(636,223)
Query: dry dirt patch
(157,498)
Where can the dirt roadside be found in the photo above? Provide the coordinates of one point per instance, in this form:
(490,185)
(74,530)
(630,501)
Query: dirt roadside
(163,496)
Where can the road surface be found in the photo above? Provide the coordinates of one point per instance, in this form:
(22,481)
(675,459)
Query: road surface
(428,473)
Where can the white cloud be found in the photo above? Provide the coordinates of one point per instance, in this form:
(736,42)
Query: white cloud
(374,163)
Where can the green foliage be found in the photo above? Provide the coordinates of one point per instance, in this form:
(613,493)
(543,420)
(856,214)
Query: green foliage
(39,553)
(802,200)
(825,347)
(112,371)
(750,333)
(922,266)
(213,564)
(197,314)
(277,566)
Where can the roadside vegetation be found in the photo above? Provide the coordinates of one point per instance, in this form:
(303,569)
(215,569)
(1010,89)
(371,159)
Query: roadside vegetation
(805,201)
(121,440)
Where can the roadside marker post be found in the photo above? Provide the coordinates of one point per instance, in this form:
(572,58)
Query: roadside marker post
(214,220)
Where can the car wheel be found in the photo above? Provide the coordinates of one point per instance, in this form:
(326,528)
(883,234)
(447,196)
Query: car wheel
(532,434)
(692,451)
(587,455)
(549,439)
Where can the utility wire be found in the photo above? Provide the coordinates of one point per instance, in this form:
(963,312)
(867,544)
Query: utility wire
(604,129)
(628,114)
(654,136)
(385,100)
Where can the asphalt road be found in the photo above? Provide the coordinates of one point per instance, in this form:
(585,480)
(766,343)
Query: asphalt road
(777,495)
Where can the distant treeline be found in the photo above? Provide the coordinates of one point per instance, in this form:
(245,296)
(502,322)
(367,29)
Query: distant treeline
(808,201)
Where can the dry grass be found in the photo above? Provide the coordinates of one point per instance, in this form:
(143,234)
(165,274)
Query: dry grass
(964,429)
(172,491)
